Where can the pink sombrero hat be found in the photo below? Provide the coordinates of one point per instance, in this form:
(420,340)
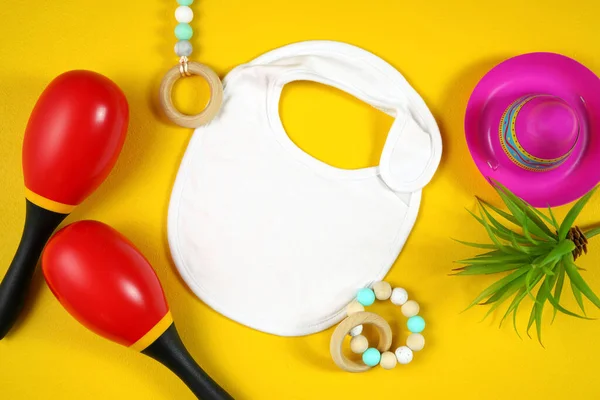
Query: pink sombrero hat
(533,124)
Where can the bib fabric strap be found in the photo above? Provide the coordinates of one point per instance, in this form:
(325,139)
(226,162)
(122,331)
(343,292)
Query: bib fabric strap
(408,161)
(413,148)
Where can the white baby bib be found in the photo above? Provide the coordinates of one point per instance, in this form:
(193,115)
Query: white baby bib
(271,237)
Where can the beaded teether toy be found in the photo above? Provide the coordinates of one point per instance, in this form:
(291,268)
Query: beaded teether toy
(183,48)
(359,344)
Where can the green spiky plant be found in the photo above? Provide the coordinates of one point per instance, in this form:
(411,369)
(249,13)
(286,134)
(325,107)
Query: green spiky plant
(540,253)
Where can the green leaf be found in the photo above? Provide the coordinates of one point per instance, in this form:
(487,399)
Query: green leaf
(531,318)
(544,217)
(508,237)
(564,247)
(503,214)
(497,259)
(526,247)
(560,280)
(506,291)
(539,228)
(540,249)
(515,321)
(527,235)
(516,300)
(493,288)
(491,234)
(538,260)
(532,278)
(500,297)
(560,308)
(516,245)
(488,228)
(547,271)
(578,297)
(490,254)
(497,232)
(592,232)
(554,222)
(573,214)
(494,222)
(474,216)
(578,281)
(541,299)
(514,209)
(486,269)
(495,305)
(523,211)
(477,245)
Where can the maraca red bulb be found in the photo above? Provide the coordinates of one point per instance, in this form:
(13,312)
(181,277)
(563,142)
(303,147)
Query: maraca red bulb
(105,282)
(74,137)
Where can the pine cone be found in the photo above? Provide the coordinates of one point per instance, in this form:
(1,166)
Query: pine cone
(577,237)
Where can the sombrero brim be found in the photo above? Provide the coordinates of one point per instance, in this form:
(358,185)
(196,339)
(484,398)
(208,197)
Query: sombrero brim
(538,73)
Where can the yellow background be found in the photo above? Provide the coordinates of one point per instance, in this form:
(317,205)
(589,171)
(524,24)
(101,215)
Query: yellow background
(442,47)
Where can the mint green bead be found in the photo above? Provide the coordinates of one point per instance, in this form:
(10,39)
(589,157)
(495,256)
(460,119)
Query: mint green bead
(185,2)
(366,297)
(416,324)
(183,31)
(371,357)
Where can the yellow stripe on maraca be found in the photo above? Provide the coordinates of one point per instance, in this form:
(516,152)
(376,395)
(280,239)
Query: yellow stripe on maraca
(153,333)
(48,204)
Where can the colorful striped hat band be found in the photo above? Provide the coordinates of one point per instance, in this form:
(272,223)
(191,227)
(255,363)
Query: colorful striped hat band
(538,133)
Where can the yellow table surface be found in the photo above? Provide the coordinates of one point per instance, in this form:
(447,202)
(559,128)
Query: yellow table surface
(441,47)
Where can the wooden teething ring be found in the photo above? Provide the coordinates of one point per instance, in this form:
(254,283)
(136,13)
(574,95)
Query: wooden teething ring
(344,328)
(214,104)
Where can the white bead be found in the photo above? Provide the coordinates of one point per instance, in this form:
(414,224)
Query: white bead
(388,360)
(410,308)
(357,330)
(415,342)
(383,290)
(404,355)
(359,344)
(399,296)
(354,307)
(184,14)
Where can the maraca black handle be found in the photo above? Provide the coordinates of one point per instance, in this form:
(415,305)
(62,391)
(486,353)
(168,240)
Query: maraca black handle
(39,225)
(170,351)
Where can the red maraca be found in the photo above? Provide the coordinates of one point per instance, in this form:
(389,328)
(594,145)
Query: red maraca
(74,136)
(107,285)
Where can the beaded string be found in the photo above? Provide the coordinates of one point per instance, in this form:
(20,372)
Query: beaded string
(184,32)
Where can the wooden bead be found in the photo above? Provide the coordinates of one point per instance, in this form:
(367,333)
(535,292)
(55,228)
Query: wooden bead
(388,360)
(359,344)
(415,342)
(410,308)
(354,307)
(383,290)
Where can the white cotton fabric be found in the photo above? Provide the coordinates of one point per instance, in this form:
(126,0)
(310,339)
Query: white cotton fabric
(271,237)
